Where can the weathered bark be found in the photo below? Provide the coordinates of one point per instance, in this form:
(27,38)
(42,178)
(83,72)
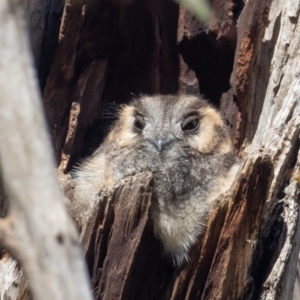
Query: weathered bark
(37,230)
(43,18)
(104,57)
(119,242)
(13,283)
(245,61)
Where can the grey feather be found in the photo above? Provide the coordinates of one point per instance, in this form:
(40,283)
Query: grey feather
(184,142)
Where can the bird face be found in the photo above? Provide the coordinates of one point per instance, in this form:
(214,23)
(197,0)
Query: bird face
(161,121)
(161,125)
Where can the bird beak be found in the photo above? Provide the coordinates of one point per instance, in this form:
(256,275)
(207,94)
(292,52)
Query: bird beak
(160,142)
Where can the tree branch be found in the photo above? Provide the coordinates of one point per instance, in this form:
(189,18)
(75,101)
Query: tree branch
(37,231)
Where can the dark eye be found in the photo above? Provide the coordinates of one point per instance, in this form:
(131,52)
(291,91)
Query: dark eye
(191,125)
(139,124)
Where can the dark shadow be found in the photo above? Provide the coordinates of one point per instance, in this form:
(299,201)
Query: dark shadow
(212,60)
(271,241)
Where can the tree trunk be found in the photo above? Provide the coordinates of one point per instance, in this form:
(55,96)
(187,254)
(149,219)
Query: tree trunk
(37,230)
(246,62)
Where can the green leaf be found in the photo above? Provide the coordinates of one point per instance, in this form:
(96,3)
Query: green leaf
(200,8)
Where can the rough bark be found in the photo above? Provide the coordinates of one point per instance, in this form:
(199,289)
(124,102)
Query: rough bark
(246,62)
(43,18)
(37,230)
(256,229)
(119,242)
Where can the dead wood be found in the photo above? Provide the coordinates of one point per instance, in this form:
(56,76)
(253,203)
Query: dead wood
(126,261)
(36,230)
(245,61)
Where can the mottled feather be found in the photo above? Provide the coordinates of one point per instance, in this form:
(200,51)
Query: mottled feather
(184,142)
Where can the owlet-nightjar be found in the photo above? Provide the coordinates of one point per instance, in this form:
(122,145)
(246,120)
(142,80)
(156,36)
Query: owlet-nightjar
(184,142)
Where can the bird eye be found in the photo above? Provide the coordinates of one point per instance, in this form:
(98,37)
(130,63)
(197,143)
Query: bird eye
(191,125)
(139,125)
